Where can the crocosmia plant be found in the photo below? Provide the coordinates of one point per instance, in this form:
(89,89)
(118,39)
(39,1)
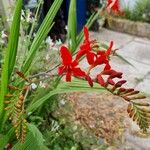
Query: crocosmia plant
(29,95)
(106,77)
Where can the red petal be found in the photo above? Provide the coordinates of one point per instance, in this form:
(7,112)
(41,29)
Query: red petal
(113,4)
(109,49)
(65,55)
(100,52)
(116,6)
(110,81)
(81,52)
(88,78)
(100,80)
(122,90)
(129,90)
(84,49)
(107,66)
(78,72)
(90,57)
(100,60)
(61,70)
(108,72)
(109,2)
(68,76)
(74,63)
(86,33)
(116,75)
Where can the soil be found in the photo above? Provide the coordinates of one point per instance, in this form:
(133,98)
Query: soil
(106,116)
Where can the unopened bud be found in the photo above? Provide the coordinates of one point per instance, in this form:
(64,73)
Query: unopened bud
(142,104)
(129,108)
(9,95)
(11,87)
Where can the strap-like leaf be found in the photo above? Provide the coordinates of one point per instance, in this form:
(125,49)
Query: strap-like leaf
(77,85)
(10,55)
(5,138)
(41,34)
(72,25)
(34,140)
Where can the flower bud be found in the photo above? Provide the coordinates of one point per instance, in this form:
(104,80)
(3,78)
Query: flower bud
(9,95)
(100,80)
(120,83)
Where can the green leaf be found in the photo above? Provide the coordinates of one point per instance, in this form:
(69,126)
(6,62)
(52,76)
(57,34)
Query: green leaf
(77,85)
(41,34)
(34,140)
(10,55)
(14,36)
(72,25)
(5,138)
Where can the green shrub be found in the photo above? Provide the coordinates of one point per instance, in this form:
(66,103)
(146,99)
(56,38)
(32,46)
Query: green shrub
(141,11)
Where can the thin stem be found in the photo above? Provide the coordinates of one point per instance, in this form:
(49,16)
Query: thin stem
(34,23)
(44,73)
(32,28)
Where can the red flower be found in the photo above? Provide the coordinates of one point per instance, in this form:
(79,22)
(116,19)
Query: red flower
(90,81)
(86,48)
(69,67)
(102,57)
(114,6)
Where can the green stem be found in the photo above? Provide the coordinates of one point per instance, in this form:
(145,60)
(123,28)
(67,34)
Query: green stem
(32,29)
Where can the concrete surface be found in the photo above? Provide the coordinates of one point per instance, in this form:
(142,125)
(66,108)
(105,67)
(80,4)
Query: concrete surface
(136,51)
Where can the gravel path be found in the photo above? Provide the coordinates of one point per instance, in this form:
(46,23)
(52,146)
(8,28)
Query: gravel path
(112,110)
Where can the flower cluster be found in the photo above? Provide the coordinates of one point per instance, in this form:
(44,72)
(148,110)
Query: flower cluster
(113,6)
(107,77)
(94,55)
(15,107)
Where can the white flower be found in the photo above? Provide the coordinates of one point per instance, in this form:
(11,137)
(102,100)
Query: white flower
(66,27)
(62,102)
(22,13)
(3,35)
(29,17)
(34,34)
(47,57)
(58,42)
(49,41)
(33,86)
(42,84)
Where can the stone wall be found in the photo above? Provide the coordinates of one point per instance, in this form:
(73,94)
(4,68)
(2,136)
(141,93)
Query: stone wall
(131,27)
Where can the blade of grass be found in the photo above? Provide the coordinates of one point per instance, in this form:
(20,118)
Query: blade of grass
(10,56)
(6,138)
(40,4)
(14,36)
(41,34)
(72,26)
